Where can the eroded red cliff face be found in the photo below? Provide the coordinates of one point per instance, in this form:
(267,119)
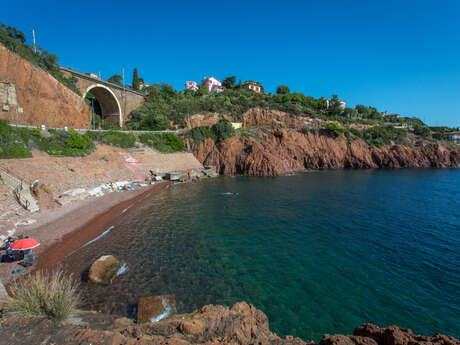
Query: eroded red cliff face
(31,96)
(283,152)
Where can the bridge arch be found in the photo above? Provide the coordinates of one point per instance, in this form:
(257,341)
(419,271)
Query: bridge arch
(108,101)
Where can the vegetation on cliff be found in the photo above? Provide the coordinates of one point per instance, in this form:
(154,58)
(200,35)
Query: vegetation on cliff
(16,142)
(165,107)
(378,135)
(219,132)
(165,142)
(282,151)
(112,138)
(14,40)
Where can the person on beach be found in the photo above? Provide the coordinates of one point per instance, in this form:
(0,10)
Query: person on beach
(9,251)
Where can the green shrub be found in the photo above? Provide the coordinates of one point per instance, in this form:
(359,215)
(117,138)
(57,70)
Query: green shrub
(45,189)
(14,151)
(40,294)
(220,131)
(379,135)
(333,129)
(200,133)
(306,130)
(110,126)
(77,141)
(249,132)
(223,129)
(119,139)
(356,132)
(62,143)
(15,142)
(165,142)
(422,131)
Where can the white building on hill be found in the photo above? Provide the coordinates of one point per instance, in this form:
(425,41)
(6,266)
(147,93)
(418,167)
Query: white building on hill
(191,85)
(212,84)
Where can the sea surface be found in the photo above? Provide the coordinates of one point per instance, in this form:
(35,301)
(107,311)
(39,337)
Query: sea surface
(320,252)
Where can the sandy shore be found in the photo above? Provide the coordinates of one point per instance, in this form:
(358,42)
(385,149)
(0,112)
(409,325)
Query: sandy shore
(63,230)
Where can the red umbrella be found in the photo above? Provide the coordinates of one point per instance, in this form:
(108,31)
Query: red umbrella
(24,244)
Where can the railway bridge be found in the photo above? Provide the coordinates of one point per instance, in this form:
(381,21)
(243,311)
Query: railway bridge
(116,102)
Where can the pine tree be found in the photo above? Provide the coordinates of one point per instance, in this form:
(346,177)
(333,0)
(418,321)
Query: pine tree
(135,80)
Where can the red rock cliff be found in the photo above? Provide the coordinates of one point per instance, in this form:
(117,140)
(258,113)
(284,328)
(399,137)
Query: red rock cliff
(31,96)
(242,324)
(283,152)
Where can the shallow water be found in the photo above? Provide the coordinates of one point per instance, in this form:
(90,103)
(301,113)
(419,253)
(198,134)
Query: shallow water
(319,253)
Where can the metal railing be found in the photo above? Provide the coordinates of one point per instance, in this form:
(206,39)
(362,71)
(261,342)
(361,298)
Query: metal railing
(82,130)
(17,185)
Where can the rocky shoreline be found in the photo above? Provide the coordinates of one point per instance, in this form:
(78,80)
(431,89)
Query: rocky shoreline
(241,324)
(282,152)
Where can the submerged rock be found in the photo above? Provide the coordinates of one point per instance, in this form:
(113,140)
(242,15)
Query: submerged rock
(155,308)
(104,270)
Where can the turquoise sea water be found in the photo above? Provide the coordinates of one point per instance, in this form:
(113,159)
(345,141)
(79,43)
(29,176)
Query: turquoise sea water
(319,253)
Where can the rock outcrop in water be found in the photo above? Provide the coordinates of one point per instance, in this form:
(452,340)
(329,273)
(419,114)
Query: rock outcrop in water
(282,152)
(242,324)
(104,270)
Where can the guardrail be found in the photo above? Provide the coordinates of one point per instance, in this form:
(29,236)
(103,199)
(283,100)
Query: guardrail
(82,130)
(18,190)
(10,180)
(100,81)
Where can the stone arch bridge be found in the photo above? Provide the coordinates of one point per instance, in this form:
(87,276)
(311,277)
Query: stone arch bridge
(116,102)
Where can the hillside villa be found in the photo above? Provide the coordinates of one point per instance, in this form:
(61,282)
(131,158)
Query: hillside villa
(454,137)
(212,84)
(342,104)
(191,85)
(254,86)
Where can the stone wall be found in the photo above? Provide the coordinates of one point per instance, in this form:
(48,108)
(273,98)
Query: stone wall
(31,96)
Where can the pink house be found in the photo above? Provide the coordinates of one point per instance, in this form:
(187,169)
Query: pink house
(212,84)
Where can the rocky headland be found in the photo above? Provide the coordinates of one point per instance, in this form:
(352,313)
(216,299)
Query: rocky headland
(285,151)
(241,324)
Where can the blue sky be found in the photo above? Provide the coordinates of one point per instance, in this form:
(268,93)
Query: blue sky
(400,56)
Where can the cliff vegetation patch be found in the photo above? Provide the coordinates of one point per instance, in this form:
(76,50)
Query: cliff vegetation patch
(16,142)
(165,142)
(15,41)
(219,132)
(112,138)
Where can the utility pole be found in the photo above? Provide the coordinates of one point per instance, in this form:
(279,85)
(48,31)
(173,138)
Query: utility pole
(92,113)
(33,35)
(124,98)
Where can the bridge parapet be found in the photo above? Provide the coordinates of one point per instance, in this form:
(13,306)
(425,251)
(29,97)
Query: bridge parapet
(116,102)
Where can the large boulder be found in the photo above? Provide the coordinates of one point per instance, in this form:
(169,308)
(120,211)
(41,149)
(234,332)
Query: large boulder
(393,335)
(155,308)
(340,339)
(104,270)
